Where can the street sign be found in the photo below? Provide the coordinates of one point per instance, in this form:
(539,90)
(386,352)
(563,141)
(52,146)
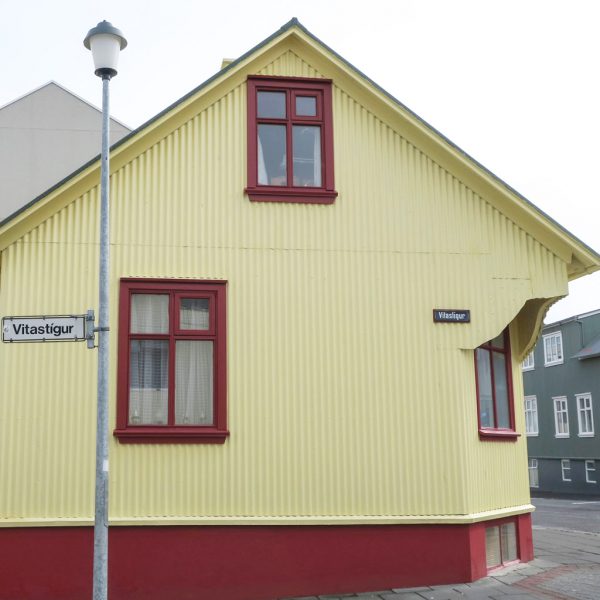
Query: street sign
(450,315)
(62,328)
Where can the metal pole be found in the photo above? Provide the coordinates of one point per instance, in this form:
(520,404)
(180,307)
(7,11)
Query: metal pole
(100,591)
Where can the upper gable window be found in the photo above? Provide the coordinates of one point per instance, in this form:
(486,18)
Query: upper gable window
(290,140)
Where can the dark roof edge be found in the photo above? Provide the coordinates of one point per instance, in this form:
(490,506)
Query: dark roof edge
(578,317)
(291,23)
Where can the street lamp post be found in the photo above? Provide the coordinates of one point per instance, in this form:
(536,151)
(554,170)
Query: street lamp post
(105,42)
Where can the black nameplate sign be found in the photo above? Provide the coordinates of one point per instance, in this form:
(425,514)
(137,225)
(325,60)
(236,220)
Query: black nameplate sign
(450,315)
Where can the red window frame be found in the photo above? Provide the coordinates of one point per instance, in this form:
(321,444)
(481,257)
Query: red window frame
(497,433)
(176,289)
(293,87)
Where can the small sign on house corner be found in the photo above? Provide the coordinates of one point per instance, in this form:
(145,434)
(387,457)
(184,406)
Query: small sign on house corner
(451,315)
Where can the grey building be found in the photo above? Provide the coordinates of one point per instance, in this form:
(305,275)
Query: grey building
(45,136)
(561,379)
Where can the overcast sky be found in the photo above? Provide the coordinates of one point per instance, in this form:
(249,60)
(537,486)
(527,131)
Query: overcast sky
(514,83)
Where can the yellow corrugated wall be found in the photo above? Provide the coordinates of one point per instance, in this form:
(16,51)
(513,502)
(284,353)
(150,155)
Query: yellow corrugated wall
(345,401)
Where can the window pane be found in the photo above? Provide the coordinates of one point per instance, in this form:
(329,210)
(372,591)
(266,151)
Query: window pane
(553,348)
(531,418)
(484,383)
(501,389)
(492,547)
(149,313)
(272,156)
(588,422)
(194,383)
(306,106)
(148,382)
(533,473)
(508,542)
(590,471)
(561,416)
(271,105)
(563,424)
(307,156)
(193,313)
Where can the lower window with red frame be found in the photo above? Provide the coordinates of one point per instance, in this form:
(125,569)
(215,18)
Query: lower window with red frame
(172,361)
(501,541)
(495,405)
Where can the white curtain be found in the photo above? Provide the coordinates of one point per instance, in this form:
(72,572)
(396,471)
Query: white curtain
(194,382)
(149,313)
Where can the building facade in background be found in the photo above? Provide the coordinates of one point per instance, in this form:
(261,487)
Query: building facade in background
(561,379)
(319,308)
(45,136)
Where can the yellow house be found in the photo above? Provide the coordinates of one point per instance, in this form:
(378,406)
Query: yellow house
(319,306)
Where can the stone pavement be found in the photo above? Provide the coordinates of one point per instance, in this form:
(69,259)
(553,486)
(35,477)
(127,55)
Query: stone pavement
(566,567)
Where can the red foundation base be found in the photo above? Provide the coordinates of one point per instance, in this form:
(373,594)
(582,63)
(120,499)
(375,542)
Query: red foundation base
(244,563)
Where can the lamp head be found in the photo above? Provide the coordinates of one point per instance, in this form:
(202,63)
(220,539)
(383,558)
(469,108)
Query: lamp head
(105,42)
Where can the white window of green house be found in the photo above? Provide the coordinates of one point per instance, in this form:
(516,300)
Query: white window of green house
(565,469)
(531,415)
(500,545)
(590,471)
(553,350)
(534,477)
(561,417)
(585,416)
(528,363)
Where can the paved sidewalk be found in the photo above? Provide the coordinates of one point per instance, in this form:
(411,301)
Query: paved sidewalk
(566,567)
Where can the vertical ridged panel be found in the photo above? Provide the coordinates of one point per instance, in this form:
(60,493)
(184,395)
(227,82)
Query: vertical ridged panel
(344,398)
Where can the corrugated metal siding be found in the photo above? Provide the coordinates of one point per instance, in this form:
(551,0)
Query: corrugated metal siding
(344,398)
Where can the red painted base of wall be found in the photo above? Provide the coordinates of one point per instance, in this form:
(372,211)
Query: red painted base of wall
(243,563)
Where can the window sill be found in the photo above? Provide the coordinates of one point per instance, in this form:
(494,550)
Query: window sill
(501,435)
(536,434)
(562,435)
(292,195)
(553,364)
(171,435)
(584,435)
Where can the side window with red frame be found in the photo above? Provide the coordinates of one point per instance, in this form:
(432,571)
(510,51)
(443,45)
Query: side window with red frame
(172,371)
(495,402)
(290,140)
